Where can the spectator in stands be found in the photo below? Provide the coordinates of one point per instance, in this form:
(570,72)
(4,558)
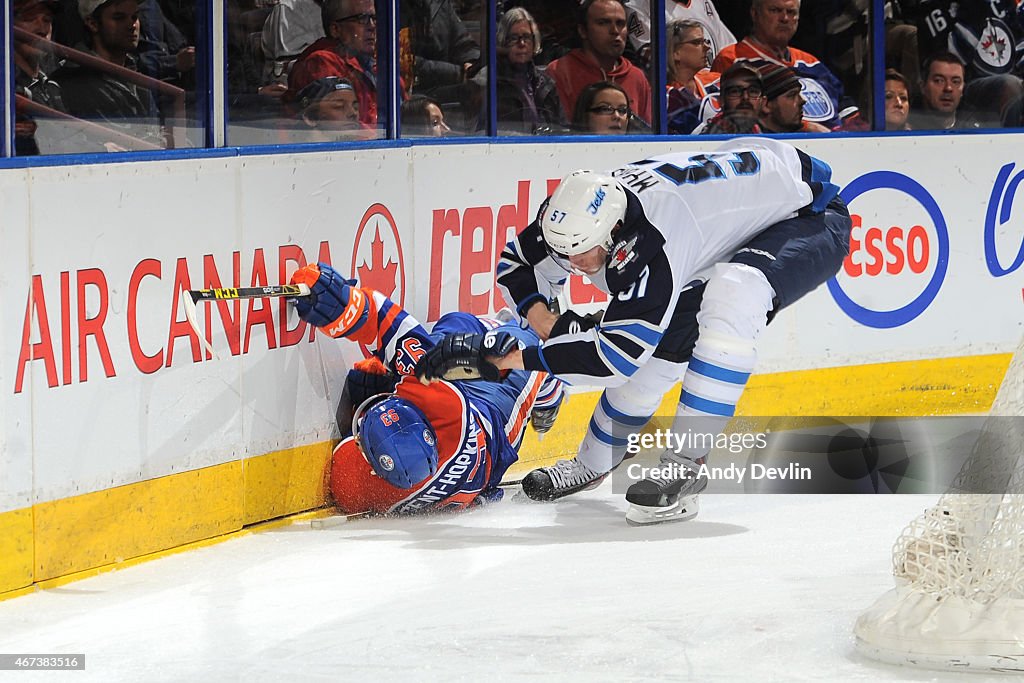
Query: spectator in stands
(742,98)
(783,110)
(691,85)
(293,25)
(99,94)
(557,22)
(942,91)
(422,117)
(773,24)
(163,51)
(348,50)
(528,101)
(987,38)
(443,52)
(328,112)
(897,101)
(602,27)
(36,17)
(638,18)
(602,108)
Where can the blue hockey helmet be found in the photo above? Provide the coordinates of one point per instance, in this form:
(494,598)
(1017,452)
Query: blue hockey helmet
(396,439)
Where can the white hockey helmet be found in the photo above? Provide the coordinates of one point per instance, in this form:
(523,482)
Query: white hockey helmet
(582,213)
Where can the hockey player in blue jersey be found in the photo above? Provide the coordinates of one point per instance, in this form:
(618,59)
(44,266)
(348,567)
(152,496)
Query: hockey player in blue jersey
(415,447)
(698,253)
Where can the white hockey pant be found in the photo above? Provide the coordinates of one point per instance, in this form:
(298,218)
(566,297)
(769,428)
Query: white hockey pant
(733,314)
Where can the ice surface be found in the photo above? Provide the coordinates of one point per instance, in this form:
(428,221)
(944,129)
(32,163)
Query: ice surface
(758,588)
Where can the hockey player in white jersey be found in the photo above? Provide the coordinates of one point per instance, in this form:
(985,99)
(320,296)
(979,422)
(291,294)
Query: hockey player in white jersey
(697,253)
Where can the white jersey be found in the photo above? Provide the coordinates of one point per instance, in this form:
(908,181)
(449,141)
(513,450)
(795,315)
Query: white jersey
(638,19)
(685,213)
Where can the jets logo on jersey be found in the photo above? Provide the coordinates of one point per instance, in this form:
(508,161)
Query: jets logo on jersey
(819,106)
(623,254)
(994,51)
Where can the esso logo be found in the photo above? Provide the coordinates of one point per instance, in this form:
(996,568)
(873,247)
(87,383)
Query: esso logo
(899,251)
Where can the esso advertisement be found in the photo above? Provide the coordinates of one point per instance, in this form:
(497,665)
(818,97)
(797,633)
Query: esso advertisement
(899,251)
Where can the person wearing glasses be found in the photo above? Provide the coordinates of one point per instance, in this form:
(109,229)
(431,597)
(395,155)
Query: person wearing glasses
(774,23)
(897,101)
(528,101)
(348,51)
(698,252)
(601,25)
(408,446)
(742,97)
(638,16)
(602,109)
(691,86)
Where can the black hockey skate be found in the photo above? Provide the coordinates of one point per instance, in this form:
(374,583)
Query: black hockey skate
(563,478)
(667,494)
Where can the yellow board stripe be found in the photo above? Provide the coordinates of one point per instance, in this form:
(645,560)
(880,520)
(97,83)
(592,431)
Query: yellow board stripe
(944,386)
(83,535)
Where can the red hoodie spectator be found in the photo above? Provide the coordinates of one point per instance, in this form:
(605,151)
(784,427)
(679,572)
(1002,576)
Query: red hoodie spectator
(602,26)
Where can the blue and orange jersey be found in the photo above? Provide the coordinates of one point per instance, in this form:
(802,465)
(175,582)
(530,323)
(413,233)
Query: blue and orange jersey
(821,89)
(479,425)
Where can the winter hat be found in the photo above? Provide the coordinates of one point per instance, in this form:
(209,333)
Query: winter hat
(778,80)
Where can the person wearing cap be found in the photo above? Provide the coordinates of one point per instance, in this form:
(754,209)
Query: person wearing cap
(783,109)
(100,95)
(742,98)
(36,17)
(328,111)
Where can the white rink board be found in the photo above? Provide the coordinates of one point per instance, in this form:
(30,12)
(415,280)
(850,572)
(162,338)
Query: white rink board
(15,416)
(425,224)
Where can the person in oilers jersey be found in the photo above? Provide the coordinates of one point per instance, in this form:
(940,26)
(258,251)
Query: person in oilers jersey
(698,251)
(411,447)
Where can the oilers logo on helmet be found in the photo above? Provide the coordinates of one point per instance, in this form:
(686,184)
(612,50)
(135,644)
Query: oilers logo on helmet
(396,439)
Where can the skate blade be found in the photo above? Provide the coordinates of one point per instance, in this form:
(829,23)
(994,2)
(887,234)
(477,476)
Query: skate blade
(642,515)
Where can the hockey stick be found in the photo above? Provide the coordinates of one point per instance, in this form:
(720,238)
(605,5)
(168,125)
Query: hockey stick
(194,296)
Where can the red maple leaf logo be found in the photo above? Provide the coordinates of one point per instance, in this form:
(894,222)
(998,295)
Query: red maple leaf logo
(377,274)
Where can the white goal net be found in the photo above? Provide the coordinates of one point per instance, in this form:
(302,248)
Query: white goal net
(959,567)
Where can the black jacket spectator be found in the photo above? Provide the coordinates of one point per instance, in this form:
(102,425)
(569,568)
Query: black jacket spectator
(527,101)
(440,44)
